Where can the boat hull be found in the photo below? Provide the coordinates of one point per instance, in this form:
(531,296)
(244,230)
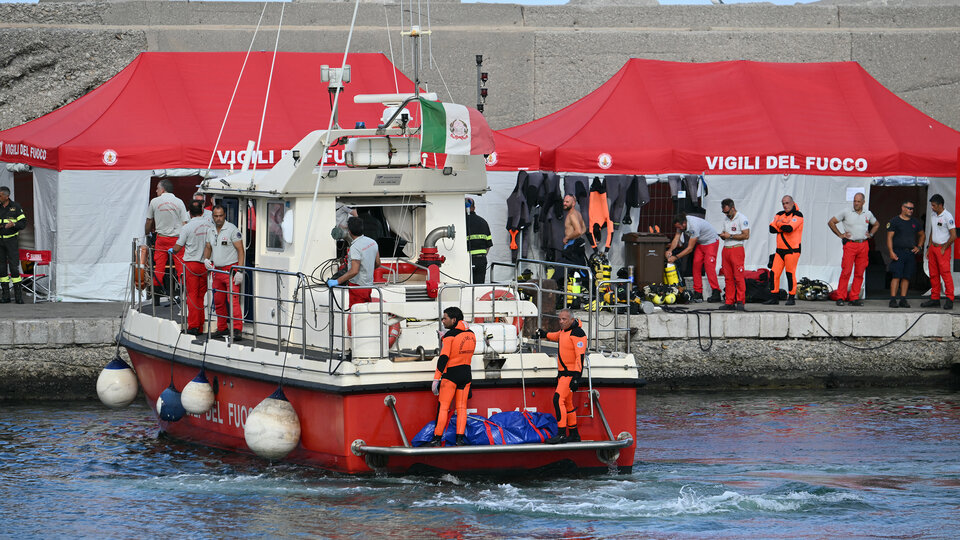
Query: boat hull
(333,421)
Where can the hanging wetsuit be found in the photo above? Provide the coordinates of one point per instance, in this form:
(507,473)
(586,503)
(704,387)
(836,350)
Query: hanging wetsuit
(617,186)
(638,195)
(531,186)
(453,372)
(517,216)
(572,344)
(552,217)
(599,215)
(788,226)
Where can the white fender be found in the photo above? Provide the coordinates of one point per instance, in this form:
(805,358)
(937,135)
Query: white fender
(272,429)
(197,396)
(117,384)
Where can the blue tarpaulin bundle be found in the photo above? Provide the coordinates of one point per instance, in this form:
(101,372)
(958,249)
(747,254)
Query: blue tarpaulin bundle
(511,427)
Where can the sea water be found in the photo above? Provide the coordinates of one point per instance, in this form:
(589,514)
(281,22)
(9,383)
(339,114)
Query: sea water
(811,464)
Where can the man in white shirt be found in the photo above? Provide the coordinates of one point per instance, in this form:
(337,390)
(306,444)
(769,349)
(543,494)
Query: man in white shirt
(859,226)
(736,231)
(224,250)
(704,242)
(364,257)
(207,212)
(940,253)
(167,215)
(193,242)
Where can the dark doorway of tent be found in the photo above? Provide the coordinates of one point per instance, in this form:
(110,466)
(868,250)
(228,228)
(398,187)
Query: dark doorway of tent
(885,204)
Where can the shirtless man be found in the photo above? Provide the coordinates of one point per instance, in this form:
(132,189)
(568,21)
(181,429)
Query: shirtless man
(573,230)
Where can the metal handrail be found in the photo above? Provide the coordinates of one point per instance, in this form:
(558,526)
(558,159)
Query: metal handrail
(619,309)
(473,299)
(335,310)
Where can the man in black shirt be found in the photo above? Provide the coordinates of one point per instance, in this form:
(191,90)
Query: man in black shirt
(905,239)
(12,221)
(479,242)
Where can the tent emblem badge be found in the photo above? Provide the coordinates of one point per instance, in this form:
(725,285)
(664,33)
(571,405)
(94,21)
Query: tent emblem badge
(492,158)
(109,157)
(459,130)
(604,161)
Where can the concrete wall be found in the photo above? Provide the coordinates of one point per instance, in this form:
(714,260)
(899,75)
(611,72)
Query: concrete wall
(46,358)
(540,58)
(60,358)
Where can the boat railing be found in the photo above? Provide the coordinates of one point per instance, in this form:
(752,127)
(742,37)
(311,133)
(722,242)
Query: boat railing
(494,293)
(614,298)
(346,338)
(284,325)
(571,297)
(596,298)
(143,286)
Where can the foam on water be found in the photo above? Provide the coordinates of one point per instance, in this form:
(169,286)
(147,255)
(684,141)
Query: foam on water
(632,500)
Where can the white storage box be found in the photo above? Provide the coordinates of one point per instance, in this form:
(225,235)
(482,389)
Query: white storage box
(495,338)
(382,152)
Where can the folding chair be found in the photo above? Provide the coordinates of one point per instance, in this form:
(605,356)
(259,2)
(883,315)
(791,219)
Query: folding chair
(36,283)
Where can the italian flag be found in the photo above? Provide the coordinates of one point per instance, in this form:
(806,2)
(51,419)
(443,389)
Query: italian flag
(454,129)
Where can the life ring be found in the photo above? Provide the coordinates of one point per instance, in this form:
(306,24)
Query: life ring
(501,294)
(393,332)
(141,269)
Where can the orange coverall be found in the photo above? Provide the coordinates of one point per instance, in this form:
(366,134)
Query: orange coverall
(573,345)
(788,226)
(453,371)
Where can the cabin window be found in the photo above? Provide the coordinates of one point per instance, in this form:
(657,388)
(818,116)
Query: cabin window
(275,213)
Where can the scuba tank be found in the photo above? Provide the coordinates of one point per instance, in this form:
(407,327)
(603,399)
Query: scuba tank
(573,290)
(670,276)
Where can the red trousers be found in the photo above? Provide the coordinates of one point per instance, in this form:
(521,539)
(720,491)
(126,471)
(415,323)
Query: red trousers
(705,255)
(195,282)
(222,285)
(735,284)
(359,295)
(160,258)
(938,264)
(855,256)
(449,391)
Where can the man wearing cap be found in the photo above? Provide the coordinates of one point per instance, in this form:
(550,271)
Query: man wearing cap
(479,241)
(223,251)
(859,226)
(942,236)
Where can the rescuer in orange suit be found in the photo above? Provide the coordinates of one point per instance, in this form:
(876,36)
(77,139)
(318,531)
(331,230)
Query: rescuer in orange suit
(788,226)
(573,346)
(452,379)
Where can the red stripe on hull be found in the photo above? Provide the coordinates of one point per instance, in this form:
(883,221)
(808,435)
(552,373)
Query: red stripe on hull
(330,422)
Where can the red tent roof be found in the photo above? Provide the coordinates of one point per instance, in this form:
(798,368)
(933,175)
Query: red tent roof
(743,117)
(512,154)
(164,110)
